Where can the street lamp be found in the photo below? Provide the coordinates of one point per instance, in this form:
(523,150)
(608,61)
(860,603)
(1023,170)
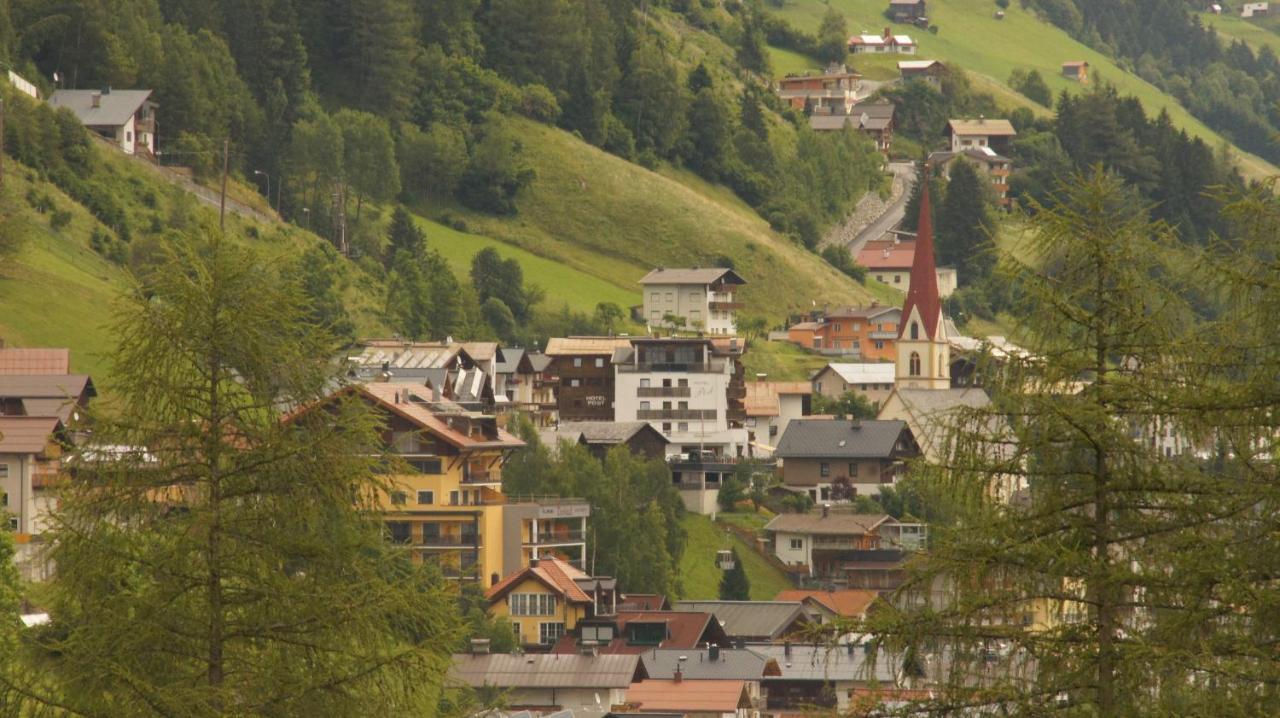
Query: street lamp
(306,212)
(264,174)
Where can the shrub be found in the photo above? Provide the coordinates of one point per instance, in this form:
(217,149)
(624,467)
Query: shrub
(60,218)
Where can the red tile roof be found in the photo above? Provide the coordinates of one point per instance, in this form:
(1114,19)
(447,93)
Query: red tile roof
(922,295)
(553,573)
(35,361)
(643,602)
(391,397)
(887,255)
(849,603)
(701,696)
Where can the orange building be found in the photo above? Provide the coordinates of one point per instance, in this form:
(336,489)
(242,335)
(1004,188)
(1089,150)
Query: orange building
(866,332)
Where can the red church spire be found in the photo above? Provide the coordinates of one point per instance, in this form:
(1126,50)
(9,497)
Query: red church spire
(923,292)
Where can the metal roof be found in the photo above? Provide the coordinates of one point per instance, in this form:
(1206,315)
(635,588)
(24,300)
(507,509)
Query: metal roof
(864,372)
(696,664)
(603,432)
(764,620)
(847,662)
(45,386)
(545,670)
(510,361)
(831,524)
(696,275)
(840,438)
(114,109)
(569,346)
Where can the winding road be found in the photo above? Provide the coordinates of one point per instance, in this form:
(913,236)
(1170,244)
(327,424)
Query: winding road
(906,172)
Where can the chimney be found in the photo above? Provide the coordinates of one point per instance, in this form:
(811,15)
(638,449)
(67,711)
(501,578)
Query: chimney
(826,511)
(713,652)
(479,646)
(887,34)
(678,676)
(95,100)
(533,562)
(786,645)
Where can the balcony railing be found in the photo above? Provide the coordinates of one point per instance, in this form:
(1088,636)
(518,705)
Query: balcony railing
(572,536)
(663,391)
(724,306)
(480,477)
(676,415)
(715,366)
(449,541)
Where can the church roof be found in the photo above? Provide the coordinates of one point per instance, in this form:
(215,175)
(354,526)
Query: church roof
(923,292)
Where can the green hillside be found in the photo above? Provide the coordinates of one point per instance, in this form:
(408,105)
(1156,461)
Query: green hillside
(1254,33)
(700,579)
(970,36)
(602,216)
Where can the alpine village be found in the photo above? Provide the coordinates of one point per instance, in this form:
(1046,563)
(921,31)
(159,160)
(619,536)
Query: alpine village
(665,358)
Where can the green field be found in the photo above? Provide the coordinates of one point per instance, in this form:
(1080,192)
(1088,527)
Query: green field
(782,361)
(788,62)
(970,36)
(613,220)
(563,284)
(700,579)
(1254,33)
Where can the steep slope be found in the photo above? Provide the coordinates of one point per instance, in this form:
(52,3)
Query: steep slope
(614,220)
(1257,33)
(970,36)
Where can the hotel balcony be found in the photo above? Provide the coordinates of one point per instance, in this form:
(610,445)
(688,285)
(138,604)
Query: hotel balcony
(558,538)
(678,392)
(715,366)
(676,415)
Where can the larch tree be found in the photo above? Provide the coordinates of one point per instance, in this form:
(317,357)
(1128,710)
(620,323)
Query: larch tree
(218,546)
(1085,570)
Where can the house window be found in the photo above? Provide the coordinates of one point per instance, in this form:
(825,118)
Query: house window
(644,406)
(398,498)
(853,469)
(897,279)
(666,427)
(427,466)
(4,471)
(532,604)
(577,361)
(646,634)
(600,634)
(670,297)
(128,137)
(879,344)
(644,383)
(915,330)
(400,531)
(549,633)
(453,498)
(797,544)
(914,368)
(683,382)
(13,524)
(880,278)
(426,497)
(837,329)
(824,469)
(599,363)
(682,426)
(575,382)
(653,297)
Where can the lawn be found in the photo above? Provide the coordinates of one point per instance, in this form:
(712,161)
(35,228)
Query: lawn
(969,35)
(788,62)
(1234,27)
(700,579)
(782,361)
(563,284)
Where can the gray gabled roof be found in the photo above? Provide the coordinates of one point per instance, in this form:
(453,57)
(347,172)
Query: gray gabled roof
(922,402)
(840,439)
(114,108)
(544,670)
(830,524)
(738,664)
(603,432)
(764,620)
(696,275)
(510,361)
(829,663)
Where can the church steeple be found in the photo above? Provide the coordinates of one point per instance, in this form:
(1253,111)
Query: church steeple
(924,355)
(922,293)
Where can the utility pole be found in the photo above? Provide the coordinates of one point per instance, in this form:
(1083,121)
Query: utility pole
(222,209)
(1,143)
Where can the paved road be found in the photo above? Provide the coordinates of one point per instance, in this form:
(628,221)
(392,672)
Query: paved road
(906,171)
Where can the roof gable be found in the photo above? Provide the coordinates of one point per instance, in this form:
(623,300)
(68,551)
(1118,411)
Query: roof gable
(114,109)
(841,439)
(552,573)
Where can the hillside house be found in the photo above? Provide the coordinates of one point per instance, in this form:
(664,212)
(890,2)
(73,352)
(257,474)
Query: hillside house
(464,373)
(582,371)
(885,42)
(828,606)
(710,663)
(1254,9)
(833,92)
(126,117)
(910,11)
(772,405)
(866,333)
(930,71)
(889,262)
(547,684)
(838,678)
(845,550)
(635,632)
(982,132)
(873,380)
(995,167)
(836,460)
(601,436)
(702,297)
(523,383)
(1077,70)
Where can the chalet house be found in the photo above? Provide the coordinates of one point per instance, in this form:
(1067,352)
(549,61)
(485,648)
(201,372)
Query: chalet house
(873,119)
(126,117)
(1255,9)
(547,599)
(883,43)
(835,460)
(873,380)
(889,262)
(1078,71)
(601,436)
(866,333)
(907,10)
(834,92)
(772,405)
(583,366)
(703,298)
(635,632)
(995,167)
(546,684)
(860,551)
(754,621)
(982,132)
(523,379)
(929,71)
